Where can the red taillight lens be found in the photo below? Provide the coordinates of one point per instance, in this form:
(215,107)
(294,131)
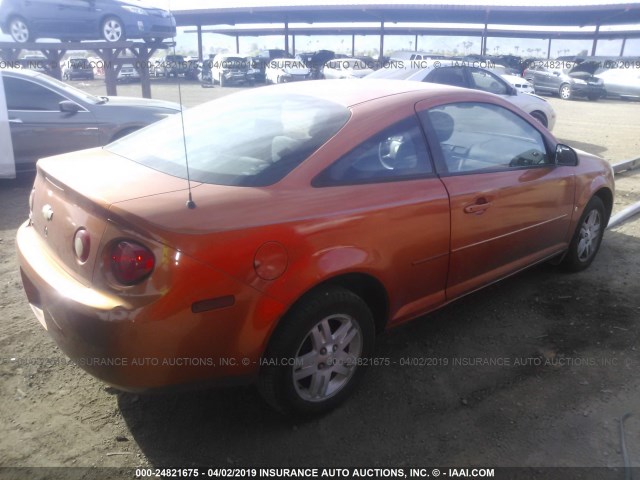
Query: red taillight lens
(131,262)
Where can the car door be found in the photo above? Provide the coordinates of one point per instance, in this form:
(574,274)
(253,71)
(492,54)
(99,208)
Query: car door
(43,16)
(510,204)
(391,176)
(39,128)
(80,16)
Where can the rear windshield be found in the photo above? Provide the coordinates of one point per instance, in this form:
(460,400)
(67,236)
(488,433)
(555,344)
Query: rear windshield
(253,138)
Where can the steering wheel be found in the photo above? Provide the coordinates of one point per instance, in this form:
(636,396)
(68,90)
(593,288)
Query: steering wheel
(386,152)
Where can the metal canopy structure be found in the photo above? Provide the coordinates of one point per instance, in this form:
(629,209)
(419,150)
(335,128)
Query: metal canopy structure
(579,16)
(386,15)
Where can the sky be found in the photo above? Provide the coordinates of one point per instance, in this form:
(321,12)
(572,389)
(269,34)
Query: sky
(215,43)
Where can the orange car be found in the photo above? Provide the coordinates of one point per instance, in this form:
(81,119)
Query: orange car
(303,219)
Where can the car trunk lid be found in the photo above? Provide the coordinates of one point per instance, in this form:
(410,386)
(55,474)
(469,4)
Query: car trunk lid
(75,192)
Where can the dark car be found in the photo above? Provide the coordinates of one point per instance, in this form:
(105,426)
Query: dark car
(565,79)
(170,66)
(77,69)
(48,117)
(75,20)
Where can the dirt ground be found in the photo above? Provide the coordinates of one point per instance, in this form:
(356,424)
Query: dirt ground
(535,371)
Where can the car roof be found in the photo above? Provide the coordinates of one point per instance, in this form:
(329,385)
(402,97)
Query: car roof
(356,91)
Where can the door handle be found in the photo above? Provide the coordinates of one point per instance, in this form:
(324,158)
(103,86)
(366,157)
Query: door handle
(480,205)
(15,120)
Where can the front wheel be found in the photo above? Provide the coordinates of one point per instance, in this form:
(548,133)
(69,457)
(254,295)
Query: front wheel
(540,117)
(565,91)
(318,353)
(587,237)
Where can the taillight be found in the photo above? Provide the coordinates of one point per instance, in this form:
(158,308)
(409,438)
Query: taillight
(82,245)
(131,262)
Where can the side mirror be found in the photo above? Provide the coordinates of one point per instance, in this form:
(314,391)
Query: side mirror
(67,106)
(566,156)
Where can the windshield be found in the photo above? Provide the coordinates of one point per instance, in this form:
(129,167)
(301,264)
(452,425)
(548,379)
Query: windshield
(247,139)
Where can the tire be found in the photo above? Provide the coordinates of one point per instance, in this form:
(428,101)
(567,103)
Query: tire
(565,91)
(19,30)
(540,117)
(587,237)
(112,30)
(332,329)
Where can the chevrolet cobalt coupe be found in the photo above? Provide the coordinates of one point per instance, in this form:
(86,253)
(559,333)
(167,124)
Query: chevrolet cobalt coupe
(290,224)
(75,20)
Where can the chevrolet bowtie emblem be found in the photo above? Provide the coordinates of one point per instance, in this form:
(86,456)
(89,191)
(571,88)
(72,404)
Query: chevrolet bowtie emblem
(47,212)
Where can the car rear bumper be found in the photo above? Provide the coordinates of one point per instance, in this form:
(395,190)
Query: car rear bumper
(150,347)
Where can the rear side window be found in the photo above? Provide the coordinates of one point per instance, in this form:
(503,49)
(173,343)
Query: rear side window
(488,82)
(396,153)
(246,139)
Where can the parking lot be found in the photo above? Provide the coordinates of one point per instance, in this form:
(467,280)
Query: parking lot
(533,371)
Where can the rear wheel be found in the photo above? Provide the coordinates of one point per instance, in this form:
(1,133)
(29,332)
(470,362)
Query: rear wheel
(565,91)
(315,357)
(113,30)
(587,237)
(19,30)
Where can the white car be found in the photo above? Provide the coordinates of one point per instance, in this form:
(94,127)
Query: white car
(345,68)
(460,74)
(520,84)
(283,70)
(128,73)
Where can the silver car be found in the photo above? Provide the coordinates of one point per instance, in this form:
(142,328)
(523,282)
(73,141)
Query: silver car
(48,117)
(462,74)
(620,82)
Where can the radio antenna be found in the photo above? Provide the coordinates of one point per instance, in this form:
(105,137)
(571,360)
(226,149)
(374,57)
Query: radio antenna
(190,203)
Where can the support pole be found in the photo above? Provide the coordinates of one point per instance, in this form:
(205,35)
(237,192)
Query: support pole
(595,40)
(549,49)
(237,44)
(381,55)
(353,45)
(200,54)
(286,36)
(624,42)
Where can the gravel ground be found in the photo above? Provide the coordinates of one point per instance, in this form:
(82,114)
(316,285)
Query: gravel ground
(566,347)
